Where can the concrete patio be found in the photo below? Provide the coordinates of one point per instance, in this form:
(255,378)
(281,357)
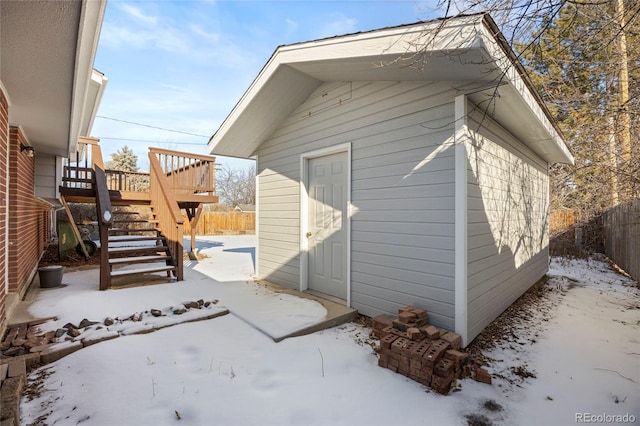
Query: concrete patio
(226,259)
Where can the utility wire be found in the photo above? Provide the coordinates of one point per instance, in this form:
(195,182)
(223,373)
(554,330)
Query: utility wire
(152,127)
(152,141)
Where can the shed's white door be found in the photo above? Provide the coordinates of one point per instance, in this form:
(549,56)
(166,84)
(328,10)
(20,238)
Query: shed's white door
(327,235)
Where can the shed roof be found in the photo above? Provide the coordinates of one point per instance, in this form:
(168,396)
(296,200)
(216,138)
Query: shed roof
(467,49)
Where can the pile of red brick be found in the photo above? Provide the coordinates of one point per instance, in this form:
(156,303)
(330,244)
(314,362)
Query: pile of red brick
(409,345)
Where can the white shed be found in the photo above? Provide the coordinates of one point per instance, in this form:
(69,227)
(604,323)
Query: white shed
(401,166)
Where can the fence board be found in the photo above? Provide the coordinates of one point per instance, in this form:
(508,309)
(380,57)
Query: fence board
(559,221)
(212,223)
(621,228)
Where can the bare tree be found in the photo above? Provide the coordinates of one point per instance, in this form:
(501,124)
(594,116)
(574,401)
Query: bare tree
(584,58)
(236,186)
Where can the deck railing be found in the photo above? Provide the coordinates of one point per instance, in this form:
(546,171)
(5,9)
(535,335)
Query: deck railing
(78,170)
(118,180)
(176,179)
(187,174)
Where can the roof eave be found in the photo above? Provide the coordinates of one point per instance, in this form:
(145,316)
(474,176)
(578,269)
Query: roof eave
(83,109)
(230,141)
(520,80)
(310,63)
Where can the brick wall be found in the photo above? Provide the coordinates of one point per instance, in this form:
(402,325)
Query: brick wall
(29,217)
(4,148)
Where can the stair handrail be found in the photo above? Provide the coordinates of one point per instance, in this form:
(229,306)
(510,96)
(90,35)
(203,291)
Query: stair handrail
(103,200)
(103,206)
(105,221)
(187,172)
(168,214)
(202,157)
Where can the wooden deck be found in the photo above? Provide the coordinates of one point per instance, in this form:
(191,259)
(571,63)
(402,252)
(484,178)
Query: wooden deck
(85,195)
(176,181)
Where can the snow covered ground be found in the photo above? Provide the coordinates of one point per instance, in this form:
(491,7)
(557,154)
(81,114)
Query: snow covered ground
(576,359)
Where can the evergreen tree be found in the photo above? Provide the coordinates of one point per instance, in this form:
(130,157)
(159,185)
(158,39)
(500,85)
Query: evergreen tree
(575,62)
(584,58)
(123,160)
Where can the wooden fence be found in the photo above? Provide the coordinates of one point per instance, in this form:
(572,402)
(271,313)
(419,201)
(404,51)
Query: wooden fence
(212,223)
(559,221)
(621,229)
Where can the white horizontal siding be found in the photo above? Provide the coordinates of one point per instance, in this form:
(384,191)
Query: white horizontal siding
(402,191)
(46,184)
(507,211)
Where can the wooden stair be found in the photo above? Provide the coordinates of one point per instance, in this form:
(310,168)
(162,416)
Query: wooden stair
(134,241)
(176,180)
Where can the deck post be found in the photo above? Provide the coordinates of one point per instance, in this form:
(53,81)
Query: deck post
(105,220)
(75,229)
(193,222)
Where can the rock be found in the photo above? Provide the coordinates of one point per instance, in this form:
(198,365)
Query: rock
(136,317)
(86,323)
(179,310)
(215,301)
(73,332)
(206,304)
(60,332)
(5,345)
(109,321)
(18,342)
(191,305)
(69,325)
(156,312)
(200,302)
(14,351)
(50,336)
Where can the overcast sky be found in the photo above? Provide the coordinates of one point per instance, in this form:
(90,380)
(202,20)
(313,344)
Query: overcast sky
(183,65)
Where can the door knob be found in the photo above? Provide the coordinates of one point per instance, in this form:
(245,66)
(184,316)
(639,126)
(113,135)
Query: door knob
(308,234)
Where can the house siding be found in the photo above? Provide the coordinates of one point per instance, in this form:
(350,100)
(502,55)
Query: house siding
(46,179)
(4,217)
(507,219)
(29,217)
(402,192)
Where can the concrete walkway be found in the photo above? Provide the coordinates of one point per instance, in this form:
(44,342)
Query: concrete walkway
(337,312)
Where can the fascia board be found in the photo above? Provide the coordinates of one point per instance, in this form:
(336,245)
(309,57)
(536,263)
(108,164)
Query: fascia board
(96,90)
(258,83)
(451,35)
(516,76)
(88,36)
(399,41)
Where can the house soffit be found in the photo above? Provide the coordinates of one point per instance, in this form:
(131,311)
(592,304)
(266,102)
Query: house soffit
(39,47)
